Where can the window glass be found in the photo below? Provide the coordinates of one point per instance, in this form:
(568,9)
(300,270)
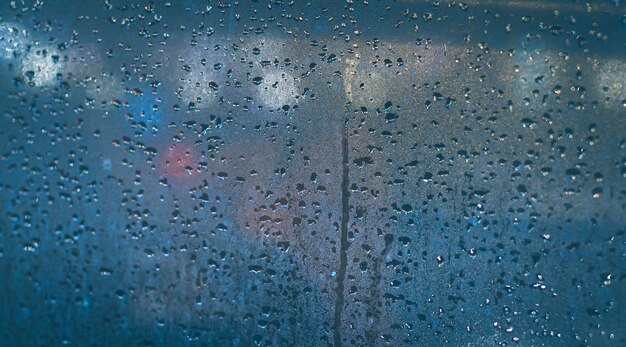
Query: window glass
(333,173)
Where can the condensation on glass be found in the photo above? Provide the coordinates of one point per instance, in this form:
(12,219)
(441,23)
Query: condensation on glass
(346,173)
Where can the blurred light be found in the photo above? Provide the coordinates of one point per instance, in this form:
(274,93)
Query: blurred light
(12,40)
(278,88)
(611,82)
(41,66)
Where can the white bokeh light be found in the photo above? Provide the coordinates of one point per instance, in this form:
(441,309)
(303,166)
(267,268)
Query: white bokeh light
(278,88)
(42,65)
(13,40)
(611,82)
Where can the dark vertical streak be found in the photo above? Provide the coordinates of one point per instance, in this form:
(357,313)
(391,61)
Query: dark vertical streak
(343,254)
(374,301)
(373,309)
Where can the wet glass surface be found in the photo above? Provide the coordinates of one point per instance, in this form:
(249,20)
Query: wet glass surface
(277,173)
